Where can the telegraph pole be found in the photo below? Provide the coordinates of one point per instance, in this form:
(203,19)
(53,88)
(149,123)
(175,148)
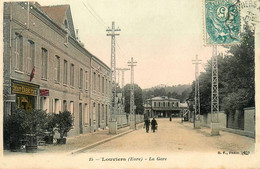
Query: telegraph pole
(132,64)
(196,116)
(122,83)
(214,93)
(112,33)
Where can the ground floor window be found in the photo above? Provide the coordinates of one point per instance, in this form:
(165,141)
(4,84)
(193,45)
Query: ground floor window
(72,111)
(57,106)
(86,114)
(44,104)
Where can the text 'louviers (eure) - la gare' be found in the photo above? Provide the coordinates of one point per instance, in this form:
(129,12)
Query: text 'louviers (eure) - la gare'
(140,159)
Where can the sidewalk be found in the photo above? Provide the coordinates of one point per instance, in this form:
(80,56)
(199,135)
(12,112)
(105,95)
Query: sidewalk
(225,140)
(78,143)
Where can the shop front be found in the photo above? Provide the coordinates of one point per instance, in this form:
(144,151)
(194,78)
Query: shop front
(26,95)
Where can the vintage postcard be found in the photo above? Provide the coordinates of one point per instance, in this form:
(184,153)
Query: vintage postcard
(129,84)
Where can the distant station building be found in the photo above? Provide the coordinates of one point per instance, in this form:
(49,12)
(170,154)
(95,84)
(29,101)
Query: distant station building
(164,107)
(46,67)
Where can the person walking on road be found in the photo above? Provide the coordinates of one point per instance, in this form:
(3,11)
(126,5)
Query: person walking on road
(147,124)
(154,124)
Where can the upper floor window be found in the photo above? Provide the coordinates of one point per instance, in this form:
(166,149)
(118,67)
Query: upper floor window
(86,80)
(103,84)
(30,56)
(65,72)
(94,81)
(98,83)
(81,78)
(57,78)
(72,74)
(44,63)
(18,52)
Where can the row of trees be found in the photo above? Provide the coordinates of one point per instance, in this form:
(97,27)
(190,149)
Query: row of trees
(179,92)
(236,72)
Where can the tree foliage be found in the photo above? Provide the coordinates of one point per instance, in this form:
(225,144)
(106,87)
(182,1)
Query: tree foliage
(178,92)
(138,97)
(236,72)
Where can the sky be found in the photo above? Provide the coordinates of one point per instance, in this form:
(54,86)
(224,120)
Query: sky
(163,36)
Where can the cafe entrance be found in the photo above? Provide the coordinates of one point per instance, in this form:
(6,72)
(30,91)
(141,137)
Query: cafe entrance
(26,95)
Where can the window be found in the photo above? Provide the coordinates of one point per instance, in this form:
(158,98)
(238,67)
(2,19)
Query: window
(154,104)
(44,103)
(65,72)
(86,80)
(163,104)
(81,78)
(103,112)
(57,106)
(30,56)
(72,111)
(19,52)
(65,105)
(168,104)
(159,104)
(103,81)
(94,81)
(72,74)
(86,114)
(44,63)
(105,86)
(94,111)
(98,83)
(57,69)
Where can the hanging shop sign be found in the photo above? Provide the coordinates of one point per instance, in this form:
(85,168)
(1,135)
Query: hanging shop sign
(44,92)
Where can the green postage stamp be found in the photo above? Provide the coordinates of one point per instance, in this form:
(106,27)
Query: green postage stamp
(222,22)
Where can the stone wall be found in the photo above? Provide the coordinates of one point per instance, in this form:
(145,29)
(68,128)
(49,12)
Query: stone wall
(249,121)
(238,123)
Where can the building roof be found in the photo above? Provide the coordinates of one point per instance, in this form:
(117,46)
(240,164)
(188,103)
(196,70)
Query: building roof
(164,98)
(57,13)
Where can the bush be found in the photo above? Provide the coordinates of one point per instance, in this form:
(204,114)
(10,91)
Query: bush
(21,123)
(64,122)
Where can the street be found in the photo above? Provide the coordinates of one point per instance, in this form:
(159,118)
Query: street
(176,137)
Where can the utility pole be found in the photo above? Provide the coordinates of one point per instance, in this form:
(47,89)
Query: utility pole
(214,93)
(112,33)
(122,83)
(132,64)
(196,116)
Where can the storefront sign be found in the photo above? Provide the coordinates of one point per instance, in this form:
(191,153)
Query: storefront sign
(44,92)
(24,89)
(11,98)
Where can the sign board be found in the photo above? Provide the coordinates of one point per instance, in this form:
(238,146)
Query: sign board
(24,89)
(11,98)
(221,22)
(44,92)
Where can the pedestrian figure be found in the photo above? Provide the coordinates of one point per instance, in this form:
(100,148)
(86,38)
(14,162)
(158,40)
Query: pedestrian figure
(56,135)
(154,124)
(170,118)
(147,124)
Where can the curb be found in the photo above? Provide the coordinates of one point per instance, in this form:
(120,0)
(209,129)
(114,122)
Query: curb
(98,143)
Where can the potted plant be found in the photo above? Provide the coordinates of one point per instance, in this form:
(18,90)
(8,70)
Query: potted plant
(33,125)
(63,124)
(49,128)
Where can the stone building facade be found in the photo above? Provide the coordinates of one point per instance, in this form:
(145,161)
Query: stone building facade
(41,41)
